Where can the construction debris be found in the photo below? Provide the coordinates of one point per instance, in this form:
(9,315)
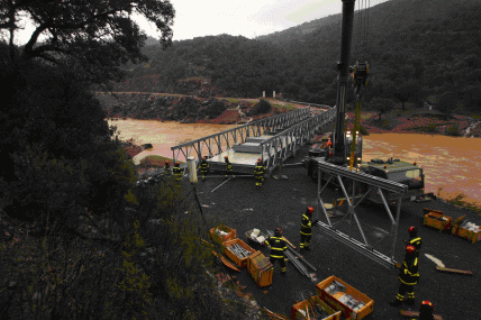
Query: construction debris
(451,270)
(416,314)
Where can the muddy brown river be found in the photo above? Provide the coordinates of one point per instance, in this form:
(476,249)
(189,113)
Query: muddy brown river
(453,164)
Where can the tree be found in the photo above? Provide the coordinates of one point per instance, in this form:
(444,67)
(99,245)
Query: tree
(407,91)
(446,103)
(381,105)
(94,37)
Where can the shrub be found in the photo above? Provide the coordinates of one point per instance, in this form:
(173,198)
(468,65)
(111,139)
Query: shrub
(453,131)
(215,109)
(261,107)
(363,131)
(431,128)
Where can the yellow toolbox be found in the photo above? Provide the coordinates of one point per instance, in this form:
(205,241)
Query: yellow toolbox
(300,310)
(463,229)
(436,219)
(352,303)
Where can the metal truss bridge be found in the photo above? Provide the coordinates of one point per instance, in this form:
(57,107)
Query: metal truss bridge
(272,139)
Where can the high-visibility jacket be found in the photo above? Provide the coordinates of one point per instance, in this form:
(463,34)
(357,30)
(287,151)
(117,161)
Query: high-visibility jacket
(259,171)
(229,168)
(409,272)
(177,173)
(306,225)
(167,170)
(416,243)
(278,246)
(204,167)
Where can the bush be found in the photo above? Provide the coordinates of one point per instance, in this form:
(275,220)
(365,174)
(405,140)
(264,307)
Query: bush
(363,131)
(453,131)
(261,107)
(431,128)
(215,109)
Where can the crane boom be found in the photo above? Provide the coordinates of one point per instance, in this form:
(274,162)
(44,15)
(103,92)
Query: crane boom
(339,156)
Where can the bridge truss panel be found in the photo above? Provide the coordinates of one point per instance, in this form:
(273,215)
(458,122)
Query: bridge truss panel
(218,143)
(286,143)
(382,185)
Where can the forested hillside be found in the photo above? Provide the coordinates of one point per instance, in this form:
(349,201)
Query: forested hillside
(418,50)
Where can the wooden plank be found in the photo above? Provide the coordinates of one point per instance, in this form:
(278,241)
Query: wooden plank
(416,314)
(451,270)
(293,246)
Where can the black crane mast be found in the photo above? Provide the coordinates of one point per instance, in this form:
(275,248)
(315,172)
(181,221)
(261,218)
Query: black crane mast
(339,157)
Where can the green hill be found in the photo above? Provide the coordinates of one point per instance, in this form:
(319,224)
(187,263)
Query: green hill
(431,46)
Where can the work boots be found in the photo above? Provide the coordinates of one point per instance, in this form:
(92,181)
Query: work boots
(396,303)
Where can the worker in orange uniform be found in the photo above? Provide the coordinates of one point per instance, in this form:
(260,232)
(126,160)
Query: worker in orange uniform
(278,246)
(259,171)
(306,231)
(167,171)
(228,165)
(414,240)
(408,276)
(426,311)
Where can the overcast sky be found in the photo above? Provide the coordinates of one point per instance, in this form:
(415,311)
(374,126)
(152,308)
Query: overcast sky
(249,18)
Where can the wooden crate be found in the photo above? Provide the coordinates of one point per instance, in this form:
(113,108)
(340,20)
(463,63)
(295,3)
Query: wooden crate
(260,268)
(333,300)
(297,315)
(465,233)
(231,234)
(242,263)
(436,219)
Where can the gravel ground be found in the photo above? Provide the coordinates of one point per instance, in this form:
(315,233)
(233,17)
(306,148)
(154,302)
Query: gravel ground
(280,203)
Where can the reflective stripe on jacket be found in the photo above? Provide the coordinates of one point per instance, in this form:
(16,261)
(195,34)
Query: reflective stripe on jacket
(306,225)
(229,168)
(278,245)
(204,166)
(167,170)
(178,173)
(409,273)
(259,171)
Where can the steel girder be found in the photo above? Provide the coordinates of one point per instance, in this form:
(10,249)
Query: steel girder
(373,182)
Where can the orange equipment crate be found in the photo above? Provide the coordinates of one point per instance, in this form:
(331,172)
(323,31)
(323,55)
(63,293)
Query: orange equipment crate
(260,268)
(461,230)
(330,313)
(357,308)
(436,219)
(242,263)
(231,234)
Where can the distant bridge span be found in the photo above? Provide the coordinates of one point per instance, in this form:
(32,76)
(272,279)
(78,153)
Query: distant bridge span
(272,139)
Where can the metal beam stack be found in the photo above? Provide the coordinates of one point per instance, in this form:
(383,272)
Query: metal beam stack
(239,251)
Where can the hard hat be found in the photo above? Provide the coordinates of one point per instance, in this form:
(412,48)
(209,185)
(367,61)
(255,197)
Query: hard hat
(259,160)
(177,163)
(310,209)
(226,157)
(278,232)
(426,306)
(329,142)
(166,161)
(413,231)
(205,157)
(410,249)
